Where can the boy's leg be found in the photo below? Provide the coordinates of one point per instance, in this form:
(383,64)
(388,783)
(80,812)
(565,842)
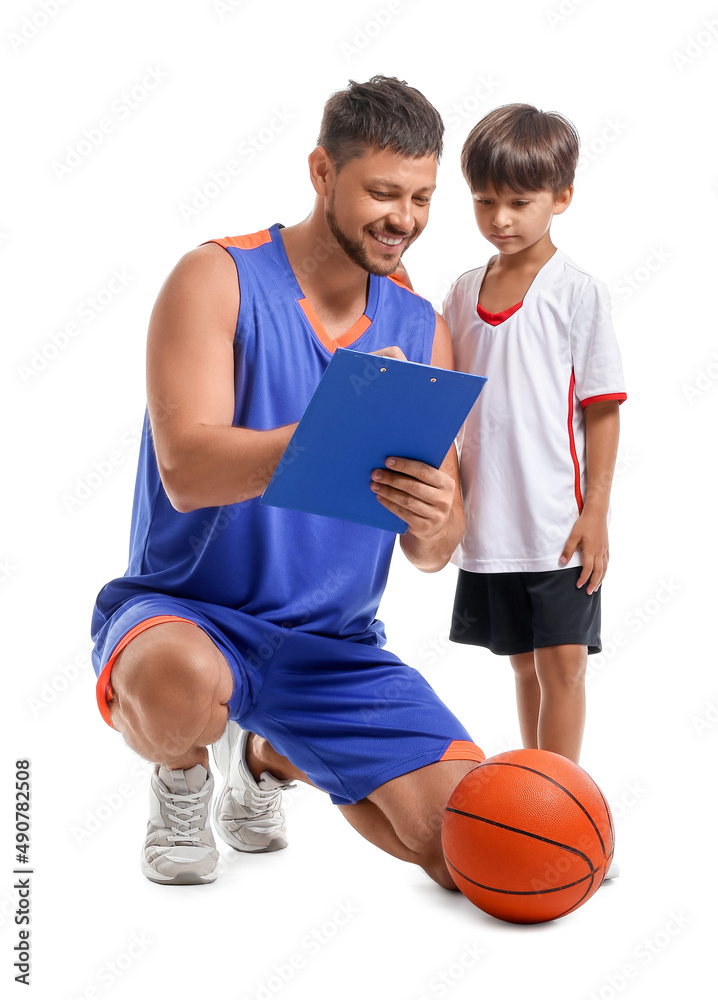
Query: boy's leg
(561,672)
(528,697)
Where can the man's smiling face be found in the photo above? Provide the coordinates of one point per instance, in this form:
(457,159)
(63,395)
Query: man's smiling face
(378,206)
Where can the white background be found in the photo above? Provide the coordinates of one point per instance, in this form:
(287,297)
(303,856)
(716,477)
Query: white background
(637,79)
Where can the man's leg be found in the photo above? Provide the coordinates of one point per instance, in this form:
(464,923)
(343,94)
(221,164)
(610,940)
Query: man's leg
(171,686)
(402,817)
(170,689)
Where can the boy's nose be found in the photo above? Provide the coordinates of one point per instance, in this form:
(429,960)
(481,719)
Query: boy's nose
(502,218)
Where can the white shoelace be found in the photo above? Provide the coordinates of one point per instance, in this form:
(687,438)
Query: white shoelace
(185,807)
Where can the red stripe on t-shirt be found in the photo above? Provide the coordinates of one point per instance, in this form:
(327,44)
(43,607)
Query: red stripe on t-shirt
(572,445)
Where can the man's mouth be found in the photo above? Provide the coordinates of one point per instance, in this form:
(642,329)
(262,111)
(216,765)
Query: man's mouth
(386,240)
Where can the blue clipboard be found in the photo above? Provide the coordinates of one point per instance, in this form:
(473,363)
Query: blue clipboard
(366,408)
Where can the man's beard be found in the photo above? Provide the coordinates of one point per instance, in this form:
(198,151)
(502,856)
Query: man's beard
(355,249)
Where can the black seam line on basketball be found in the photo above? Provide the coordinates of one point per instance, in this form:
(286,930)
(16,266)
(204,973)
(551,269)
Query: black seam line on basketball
(610,822)
(522,892)
(506,763)
(525,833)
(575,906)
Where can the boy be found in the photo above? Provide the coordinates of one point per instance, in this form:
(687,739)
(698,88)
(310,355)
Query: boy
(538,452)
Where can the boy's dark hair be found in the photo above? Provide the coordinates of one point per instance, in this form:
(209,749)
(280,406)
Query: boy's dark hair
(518,148)
(385,112)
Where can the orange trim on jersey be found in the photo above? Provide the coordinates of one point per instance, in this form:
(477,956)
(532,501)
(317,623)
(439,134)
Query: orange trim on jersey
(463,750)
(244,242)
(104,686)
(620,396)
(402,283)
(572,445)
(346,339)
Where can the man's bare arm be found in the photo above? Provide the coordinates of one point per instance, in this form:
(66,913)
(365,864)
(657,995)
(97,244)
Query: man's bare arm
(203,460)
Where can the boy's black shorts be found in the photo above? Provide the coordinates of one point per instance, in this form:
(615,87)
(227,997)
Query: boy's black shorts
(513,613)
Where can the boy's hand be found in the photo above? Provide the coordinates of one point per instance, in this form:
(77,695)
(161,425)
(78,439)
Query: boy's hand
(420,494)
(590,534)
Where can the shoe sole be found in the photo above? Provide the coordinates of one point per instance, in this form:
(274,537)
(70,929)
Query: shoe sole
(187,878)
(222,758)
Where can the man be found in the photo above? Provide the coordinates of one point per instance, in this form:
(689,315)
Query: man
(266,617)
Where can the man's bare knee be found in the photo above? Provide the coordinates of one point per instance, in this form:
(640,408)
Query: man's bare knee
(170,691)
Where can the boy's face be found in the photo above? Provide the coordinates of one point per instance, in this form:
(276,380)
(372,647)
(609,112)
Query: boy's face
(515,220)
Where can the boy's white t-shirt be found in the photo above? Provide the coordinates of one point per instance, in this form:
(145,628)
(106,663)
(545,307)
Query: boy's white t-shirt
(523,446)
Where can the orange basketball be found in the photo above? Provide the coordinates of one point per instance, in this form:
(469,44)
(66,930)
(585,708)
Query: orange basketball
(527,836)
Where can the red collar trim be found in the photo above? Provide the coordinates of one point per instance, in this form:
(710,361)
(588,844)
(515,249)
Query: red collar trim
(493,319)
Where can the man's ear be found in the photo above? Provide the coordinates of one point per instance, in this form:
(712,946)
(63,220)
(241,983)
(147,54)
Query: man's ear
(563,200)
(321,171)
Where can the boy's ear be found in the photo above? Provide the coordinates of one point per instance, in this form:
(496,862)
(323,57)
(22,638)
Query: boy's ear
(563,200)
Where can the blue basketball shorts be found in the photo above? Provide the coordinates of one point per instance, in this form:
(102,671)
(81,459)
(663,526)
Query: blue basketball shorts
(349,714)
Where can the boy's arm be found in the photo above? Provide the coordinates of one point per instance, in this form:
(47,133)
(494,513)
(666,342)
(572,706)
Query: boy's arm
(203,460)
(428,499)
(590,532)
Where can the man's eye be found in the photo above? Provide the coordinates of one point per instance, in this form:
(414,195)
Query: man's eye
(379,194)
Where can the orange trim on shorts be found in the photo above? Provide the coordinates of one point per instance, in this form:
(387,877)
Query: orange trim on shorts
(463,750)
(104,686)
(249,242)
(352,334)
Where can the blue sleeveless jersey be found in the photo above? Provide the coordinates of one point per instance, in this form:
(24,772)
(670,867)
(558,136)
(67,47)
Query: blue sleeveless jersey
(298,570)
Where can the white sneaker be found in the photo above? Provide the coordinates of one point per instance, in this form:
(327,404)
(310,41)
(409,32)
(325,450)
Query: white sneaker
(179,848)
(248,814)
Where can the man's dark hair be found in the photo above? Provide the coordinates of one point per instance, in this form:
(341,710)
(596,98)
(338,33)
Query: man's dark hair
(518,148)
(386,113)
